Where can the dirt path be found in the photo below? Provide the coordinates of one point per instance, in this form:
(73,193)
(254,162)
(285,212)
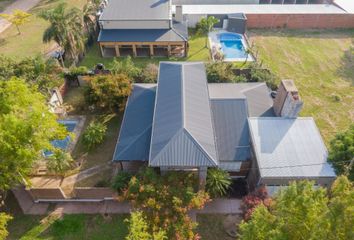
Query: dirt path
(24,5)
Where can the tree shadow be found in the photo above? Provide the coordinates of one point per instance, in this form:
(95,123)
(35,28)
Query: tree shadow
(346,70)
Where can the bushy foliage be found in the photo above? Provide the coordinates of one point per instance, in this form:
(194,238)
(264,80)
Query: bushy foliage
(59,162)
(149,73)
(205,26)
(74,72)
(139,228)
(26,128)
(342,152)
(220,72)
(121,181)
(108,91)
(4,219)
(165,201)
(94,135)
(38,72)
(126,67)
(261,75)
(252,200)
(304,212)
(17,18)
(217,182)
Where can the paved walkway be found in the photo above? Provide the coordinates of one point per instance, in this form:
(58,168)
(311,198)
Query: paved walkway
(23,5)
(217,206)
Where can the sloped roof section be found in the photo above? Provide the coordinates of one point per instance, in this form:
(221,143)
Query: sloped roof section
(141,35)
(231,129)
(135,133)
(136,10)
(259,101)
(182,131)
(289,148)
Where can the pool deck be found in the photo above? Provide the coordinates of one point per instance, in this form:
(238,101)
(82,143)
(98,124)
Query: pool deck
(215,43)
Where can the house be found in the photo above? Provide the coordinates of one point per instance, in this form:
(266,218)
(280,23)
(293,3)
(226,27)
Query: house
(183,123)
(295,14)
(141,28)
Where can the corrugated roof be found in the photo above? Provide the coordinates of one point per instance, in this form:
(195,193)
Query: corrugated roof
(259,101)
(135,133)
(140,35)
(231,129)
(136,10)
(263,9)
(182,132)
(289,148)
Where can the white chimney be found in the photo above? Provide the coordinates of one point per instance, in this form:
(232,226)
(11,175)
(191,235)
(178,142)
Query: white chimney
(179,14)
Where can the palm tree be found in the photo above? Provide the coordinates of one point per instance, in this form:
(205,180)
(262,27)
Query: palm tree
(206,25)
(89,15)
(217,182)
(65,29)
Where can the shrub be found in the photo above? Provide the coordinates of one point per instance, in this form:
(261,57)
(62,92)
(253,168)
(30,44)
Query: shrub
(121,181)
(74,72)
(149,74)
(218,181)
(59,162)
(220,72)
(342,152)
(108,91)
(126,67)
(258,74)
(94,135)
(252,200)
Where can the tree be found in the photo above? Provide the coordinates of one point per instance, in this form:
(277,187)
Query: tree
(341,152)
(4,218)
(218,182)
(220,72)
(252,200)
(17,18)
(205,26)
(302,211)
(94,135)
(26,128)
(59,162)
(108,91)
(165,201)
(65,29)
(89,12)
(138,229)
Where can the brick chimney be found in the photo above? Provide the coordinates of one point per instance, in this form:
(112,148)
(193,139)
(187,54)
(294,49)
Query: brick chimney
(287,103)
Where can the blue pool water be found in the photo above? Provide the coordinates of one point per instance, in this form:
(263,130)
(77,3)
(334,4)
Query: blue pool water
(232,45)
(63,144)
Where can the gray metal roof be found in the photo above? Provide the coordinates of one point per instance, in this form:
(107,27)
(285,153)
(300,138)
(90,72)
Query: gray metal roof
(182,132)
(259,101)
(231,129)
(136,10)
(135,133)
(289,148)
(140,35)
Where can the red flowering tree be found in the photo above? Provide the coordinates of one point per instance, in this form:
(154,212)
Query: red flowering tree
(252,200)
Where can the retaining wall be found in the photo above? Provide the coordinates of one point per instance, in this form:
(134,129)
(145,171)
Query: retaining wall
(300,21)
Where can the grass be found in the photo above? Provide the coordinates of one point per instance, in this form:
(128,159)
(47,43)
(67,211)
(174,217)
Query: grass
(322,65)
(197,52)
(211,227)
(29,43)
(70,227)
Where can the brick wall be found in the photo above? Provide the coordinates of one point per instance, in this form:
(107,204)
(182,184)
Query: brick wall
(300,21)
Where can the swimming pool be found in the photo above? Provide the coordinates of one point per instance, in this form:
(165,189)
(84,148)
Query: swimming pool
(63,144)
(232,46)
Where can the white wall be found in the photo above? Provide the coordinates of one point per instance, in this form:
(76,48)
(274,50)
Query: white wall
(163,24)
(193,19)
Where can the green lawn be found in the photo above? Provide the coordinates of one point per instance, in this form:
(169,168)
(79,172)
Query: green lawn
(211,227)
(197,52)
(70,227)
(29,43)
(322,65)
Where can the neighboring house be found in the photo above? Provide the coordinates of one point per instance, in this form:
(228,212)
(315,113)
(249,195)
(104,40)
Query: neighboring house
(184,123)
(141,28)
